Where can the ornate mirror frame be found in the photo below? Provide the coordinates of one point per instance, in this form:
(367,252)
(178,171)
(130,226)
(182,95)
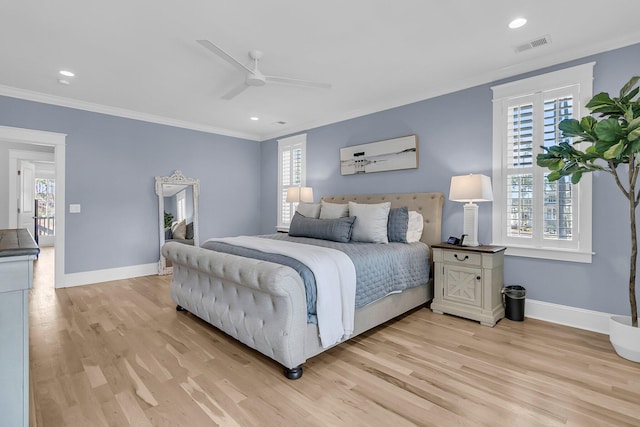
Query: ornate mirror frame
(175,179)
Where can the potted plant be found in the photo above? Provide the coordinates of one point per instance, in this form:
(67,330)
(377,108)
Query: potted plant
(614,145)
(168,218)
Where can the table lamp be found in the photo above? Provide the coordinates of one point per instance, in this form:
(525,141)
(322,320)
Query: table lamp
(299,194)
(470,188)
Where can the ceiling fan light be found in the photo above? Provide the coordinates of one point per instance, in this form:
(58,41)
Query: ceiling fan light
(256,80)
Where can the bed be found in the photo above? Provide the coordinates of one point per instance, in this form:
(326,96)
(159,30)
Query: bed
(263,304)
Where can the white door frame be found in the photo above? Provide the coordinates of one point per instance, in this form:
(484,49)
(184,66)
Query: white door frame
(58,141)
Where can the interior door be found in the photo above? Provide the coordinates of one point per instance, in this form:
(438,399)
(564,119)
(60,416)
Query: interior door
(26,195)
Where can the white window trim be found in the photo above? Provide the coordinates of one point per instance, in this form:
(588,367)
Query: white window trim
(581,75)
(285,143)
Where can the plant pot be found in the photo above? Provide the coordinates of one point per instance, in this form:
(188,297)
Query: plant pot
(624,337)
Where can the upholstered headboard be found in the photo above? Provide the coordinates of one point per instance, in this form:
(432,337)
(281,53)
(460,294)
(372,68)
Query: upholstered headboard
(429,205)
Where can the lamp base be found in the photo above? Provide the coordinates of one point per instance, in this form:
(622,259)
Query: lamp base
(471,225)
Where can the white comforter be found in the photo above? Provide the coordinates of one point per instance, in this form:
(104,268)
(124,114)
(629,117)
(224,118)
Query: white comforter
(335,277)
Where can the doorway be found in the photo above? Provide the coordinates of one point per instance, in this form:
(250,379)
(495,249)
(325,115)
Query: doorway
(27,144)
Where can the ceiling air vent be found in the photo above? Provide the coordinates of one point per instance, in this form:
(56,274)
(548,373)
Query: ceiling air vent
(541,41)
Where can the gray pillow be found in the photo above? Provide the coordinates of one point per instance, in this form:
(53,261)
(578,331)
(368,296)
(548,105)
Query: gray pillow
(338,229)
(398,224)
(371,222)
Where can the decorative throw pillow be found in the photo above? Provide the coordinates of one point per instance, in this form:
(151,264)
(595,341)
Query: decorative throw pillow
(337,229)
(371,222)
(398,224)
(416,224)
(189,232)
(333,210)
(179,229)
(309,210)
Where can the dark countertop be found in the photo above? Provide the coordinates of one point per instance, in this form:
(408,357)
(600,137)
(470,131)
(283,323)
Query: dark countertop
(481,248)
(17,242)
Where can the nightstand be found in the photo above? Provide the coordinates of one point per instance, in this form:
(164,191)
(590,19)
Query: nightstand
(468,281)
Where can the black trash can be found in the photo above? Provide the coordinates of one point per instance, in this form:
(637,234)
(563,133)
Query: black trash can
(514,297)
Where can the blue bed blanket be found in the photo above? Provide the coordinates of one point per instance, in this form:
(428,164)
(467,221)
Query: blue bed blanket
(381,269)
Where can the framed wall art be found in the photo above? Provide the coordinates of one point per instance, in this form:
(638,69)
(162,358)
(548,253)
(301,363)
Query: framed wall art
(387,155)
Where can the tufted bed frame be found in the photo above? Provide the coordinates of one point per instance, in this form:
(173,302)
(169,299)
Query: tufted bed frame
(263,304)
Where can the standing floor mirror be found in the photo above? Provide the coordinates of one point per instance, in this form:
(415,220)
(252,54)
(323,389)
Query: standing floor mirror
(177,213)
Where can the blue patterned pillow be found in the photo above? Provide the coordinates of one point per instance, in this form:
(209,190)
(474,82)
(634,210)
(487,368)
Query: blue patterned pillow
(398,224)
(338,229)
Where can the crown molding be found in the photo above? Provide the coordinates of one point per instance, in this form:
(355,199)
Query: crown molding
(28,95)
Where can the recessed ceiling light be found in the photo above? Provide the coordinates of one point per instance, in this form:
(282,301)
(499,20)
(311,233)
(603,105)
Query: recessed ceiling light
(517,23)
(64,81)
(254,118)
(67,73)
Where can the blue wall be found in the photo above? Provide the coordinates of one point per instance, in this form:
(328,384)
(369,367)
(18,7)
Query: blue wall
(111,163)
(455,137)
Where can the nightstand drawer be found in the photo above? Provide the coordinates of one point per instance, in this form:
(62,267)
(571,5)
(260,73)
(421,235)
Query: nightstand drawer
(463,258)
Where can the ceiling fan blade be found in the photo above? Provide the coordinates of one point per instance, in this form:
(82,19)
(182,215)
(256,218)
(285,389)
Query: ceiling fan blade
(224,55)
(235,91)
(298,82)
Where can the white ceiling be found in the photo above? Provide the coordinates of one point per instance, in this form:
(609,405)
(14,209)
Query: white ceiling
(140,58)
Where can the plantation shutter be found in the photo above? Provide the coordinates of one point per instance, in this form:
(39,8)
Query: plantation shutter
(531,216)
(291,173)
(536,209)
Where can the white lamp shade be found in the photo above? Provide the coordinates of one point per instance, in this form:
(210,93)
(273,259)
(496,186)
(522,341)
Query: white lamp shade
(470,188)
(299,194)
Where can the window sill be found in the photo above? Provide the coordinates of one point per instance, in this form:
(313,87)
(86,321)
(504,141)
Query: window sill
(282,228)
(548,253)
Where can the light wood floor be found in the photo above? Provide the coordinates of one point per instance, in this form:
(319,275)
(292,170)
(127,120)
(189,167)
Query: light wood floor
(118,354)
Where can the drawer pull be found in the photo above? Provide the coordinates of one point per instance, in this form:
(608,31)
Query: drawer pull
(478,277)
(466,257)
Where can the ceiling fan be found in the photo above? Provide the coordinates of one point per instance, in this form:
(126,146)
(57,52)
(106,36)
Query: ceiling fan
(254,76)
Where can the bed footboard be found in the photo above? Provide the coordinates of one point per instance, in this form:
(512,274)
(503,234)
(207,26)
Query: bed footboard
(259,303)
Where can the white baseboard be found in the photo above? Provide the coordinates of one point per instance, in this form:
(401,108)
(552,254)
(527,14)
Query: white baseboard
(98,276)
(580,318)
(555,313)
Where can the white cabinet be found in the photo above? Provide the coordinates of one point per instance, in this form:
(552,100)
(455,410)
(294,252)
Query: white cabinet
(468,281)
(17,252)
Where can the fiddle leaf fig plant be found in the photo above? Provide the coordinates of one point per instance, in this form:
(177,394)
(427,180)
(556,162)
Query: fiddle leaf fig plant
(613,147)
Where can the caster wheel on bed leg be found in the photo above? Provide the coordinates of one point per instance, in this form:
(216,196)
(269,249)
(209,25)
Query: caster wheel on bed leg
(293,374)
(180,308)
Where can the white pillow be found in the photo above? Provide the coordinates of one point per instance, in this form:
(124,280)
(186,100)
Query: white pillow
(371,222)
(416,224)
(179,229)
(333,210)
(309,210)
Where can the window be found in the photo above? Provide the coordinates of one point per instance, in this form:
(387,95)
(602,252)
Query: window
(291,172)
(181,205)
(532,216)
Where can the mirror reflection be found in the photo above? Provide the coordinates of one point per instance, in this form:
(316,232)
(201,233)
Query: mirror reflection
(178,213)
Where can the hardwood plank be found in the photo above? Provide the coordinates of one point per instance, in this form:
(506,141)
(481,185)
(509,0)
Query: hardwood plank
(118,353)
